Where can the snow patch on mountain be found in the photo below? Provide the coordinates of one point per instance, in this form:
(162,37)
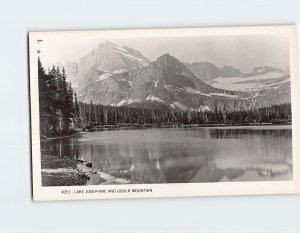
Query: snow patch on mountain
(223,95)
(132,57)
(244,83)
(121,102)
(129,82)
(119,71)
(178,105)
(119,48)
(274,84)
(202,108)
(153,98)
(128,101)
(193,91)
(182,73)
(103,76)
(108,74)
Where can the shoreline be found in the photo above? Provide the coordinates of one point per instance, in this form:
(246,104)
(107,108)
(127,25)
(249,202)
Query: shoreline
(66,171)
(116,127)
(61,137)
(61,171)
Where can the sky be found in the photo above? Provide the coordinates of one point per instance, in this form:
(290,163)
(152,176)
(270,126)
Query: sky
(240,51)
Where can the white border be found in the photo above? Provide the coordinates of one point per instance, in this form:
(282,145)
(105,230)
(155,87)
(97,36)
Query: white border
(166,190)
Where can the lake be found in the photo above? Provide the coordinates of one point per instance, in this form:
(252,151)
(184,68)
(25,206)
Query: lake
(183,155)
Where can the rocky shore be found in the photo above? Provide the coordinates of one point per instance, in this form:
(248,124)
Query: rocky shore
(66,171)
(62,171)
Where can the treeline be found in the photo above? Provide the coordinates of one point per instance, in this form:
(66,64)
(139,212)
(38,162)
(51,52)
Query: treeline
(91,115)
(56,101)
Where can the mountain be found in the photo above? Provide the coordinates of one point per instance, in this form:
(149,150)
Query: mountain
(107,59)
(273,91)
(231,78)
(110,57)
(229,71)
(165,81)
(263,70)
(121,76)
(205,71)
(253,81)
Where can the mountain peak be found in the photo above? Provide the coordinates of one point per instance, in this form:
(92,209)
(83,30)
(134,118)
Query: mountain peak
(108,43)
(229,71)
(165,56)
(266,69)
(167,61)
(111,57)
(263,70)
(205,71)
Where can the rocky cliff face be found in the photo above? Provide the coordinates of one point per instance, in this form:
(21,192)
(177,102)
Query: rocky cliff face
(205,71)
(111,58)
(229,71)
(108,59)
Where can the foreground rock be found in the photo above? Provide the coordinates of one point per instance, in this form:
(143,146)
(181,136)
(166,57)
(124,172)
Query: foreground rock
(66,171)
(62,171)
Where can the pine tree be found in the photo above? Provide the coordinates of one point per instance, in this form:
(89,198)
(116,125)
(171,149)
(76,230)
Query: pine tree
(76,110)
(43,99)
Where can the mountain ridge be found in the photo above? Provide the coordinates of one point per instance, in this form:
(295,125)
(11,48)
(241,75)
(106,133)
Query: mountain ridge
(165,81)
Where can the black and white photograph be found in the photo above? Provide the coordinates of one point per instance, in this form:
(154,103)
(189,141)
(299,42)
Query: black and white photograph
(163,107)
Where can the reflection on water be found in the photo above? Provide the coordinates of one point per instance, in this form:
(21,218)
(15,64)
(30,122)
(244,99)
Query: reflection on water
(184,155)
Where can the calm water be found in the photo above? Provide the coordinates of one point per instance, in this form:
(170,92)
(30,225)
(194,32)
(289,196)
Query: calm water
(184,155)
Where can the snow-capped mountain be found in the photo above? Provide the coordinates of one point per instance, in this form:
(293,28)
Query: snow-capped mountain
(110,57)
(231,78)
(165,81)
(264,70)
(252,81)
(121,76)
(274,91)
(104,61)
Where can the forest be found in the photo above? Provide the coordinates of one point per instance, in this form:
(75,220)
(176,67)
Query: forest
(91,115)
(56,102)
(61,114)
